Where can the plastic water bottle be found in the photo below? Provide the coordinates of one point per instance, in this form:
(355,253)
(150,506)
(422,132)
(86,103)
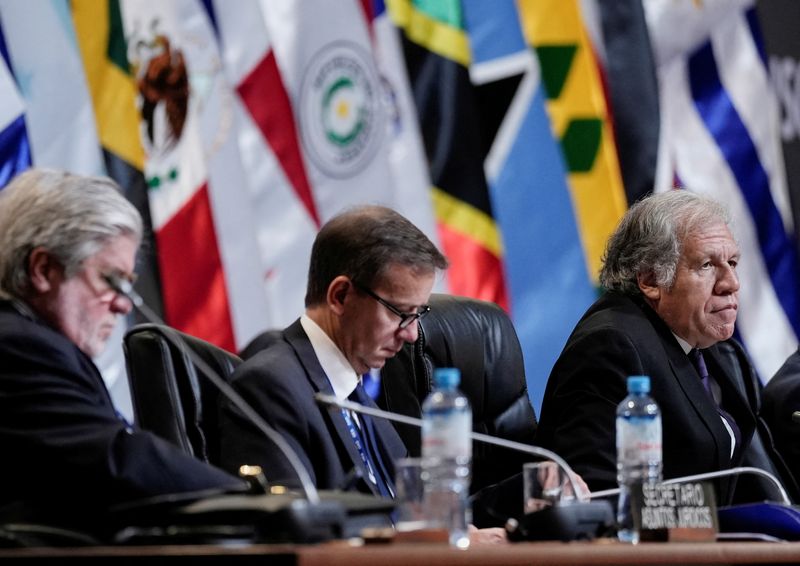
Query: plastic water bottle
(447,455)
(639,458)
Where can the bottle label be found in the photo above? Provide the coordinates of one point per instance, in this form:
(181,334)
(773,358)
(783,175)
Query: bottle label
(639,440)
(447,436)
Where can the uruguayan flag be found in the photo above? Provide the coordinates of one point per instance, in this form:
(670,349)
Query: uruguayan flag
(720,137)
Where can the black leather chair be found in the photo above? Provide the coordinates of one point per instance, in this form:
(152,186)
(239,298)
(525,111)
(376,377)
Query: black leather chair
(478,338)
(780,400)
(172,400)
(170,396)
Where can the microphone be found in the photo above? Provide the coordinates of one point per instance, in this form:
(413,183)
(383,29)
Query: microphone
(796,417)
(125,288)
(713,475)
(579,520)
(331,401)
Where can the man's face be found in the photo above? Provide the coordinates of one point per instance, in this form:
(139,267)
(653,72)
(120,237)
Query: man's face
(84,307)
(369,331)
(702,303)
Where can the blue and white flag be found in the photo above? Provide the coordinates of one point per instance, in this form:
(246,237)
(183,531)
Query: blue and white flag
(15,153)
(59,114)
(719,137)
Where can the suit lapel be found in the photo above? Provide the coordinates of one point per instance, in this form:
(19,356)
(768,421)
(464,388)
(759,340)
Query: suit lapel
(689,382)
(298,339)
(703,405)
(734,396)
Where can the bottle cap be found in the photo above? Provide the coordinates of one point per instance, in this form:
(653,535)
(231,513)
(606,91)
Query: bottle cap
(639,384)
(446,378)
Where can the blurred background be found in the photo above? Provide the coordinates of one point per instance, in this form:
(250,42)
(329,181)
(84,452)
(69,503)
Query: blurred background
(514,133)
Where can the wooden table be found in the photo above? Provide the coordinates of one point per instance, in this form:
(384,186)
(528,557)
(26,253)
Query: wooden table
(344,554)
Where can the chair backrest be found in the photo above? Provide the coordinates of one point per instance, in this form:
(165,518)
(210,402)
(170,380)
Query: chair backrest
(170,396)
(479,338)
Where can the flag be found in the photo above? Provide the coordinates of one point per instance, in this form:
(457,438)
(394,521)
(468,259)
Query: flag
(437,53)
(720,137)
(280,192)
(208,256)
(578,111)
(633,92)
(549,284)
(101,40)
(15,153)
(325,55)
(405,152)
(61,135)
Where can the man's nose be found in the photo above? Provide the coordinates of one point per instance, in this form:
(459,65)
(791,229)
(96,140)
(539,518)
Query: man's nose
(121,304)
(728,281)
(410,333)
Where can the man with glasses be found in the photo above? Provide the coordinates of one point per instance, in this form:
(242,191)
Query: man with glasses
(370,277)
(67,455)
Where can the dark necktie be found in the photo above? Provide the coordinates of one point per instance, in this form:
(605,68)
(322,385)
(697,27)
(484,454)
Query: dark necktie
(370,444)
(696,355)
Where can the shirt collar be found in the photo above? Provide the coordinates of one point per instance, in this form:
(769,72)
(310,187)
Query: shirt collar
(341,375)
(683,343)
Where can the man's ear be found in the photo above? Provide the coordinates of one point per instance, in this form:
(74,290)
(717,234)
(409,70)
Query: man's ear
(43,269)
(337,293)
(648,287)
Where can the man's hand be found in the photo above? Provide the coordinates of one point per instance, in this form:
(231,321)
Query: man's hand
(487,536)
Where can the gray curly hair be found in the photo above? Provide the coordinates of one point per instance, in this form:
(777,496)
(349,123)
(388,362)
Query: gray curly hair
(650,237)
(71,216)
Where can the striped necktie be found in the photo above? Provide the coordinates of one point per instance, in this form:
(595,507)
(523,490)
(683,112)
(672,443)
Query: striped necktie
(696,355)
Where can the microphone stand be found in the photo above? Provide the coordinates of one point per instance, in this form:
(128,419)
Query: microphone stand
(331,401)
(713,475)
(580,519)
(125,288)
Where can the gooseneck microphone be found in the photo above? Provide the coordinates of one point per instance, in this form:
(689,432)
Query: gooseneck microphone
(125,288)
(544,453)
(714,475)
(331,401)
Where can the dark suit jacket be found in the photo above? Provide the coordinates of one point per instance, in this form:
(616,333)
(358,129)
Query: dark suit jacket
(280,383)
(781,398)
(66,454)
(621,336)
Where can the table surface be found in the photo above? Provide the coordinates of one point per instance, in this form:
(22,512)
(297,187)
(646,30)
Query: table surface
(390,554)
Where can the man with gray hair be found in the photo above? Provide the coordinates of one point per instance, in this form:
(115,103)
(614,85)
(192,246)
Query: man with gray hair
(67,456)
(668,311)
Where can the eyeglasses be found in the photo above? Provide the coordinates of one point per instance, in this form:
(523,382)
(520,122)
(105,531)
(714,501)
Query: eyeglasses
(104,286)
(406,318)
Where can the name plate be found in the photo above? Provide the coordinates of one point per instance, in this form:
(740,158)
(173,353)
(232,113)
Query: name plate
(676,512)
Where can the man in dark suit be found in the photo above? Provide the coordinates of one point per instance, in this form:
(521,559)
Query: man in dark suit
(671,291)
(370,277)
(67,455)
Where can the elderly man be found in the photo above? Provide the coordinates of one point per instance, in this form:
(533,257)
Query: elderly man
(67,456)
(668,312)
(370,277)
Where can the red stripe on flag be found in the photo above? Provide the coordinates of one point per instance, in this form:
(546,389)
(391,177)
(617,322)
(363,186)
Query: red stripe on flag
(192,277)
(264,95)
(474,271)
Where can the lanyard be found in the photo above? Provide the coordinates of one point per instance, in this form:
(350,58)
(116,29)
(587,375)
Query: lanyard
(359,442)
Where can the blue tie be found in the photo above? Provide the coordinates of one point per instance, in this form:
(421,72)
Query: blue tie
(369,441)
(696,355)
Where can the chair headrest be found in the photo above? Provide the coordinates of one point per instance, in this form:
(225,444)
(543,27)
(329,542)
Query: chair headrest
(477,337)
